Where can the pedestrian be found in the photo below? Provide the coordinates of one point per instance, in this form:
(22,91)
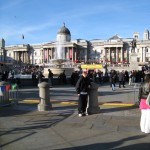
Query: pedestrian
(121,78)
(40,77)
(130,77)
(134,76)
(50,77)
(100,76)
(145,109)
(113,79)
(34,80)
(62,78)
(74,77)
(5,76)
(82,88)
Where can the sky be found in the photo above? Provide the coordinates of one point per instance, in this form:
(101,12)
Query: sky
(40,20)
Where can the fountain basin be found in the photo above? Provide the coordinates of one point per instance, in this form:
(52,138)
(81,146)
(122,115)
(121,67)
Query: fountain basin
(58,71)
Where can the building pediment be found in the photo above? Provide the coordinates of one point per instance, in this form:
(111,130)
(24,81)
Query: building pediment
(115,38)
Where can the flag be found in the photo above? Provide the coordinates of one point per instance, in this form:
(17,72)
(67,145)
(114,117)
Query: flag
(7,87)
(22,36)
(1,93)
(2,88)
(13,86)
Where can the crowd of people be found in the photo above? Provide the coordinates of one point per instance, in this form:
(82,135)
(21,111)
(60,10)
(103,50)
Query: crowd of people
(121,77)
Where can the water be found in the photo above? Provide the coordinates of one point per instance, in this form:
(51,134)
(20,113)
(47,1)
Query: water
(59,51)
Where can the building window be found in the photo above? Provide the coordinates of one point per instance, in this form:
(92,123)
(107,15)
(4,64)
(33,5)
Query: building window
(138,59)
(146,59)
(136,37)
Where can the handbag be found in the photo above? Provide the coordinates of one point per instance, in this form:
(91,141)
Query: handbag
(148,100)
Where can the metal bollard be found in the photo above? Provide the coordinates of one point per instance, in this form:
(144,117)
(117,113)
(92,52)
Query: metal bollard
(4,97)
(44,104)
(93,99)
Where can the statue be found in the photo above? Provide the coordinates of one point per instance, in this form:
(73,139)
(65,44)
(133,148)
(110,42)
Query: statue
(133,45)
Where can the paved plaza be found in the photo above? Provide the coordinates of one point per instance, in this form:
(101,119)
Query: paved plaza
(116,127)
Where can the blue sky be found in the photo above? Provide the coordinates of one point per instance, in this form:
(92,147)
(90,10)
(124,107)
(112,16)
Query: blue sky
(39,20)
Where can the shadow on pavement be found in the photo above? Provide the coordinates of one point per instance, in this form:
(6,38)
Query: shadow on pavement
(116,145)
(115,109)
(27,121)
(20,109)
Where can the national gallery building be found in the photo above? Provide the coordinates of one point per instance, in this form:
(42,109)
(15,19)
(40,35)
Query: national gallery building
(115,50)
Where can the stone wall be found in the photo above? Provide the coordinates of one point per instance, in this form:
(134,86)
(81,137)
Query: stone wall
(29,82)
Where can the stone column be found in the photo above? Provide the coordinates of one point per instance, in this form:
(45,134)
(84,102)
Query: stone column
(45,104)
(43,55)
(68,53)
(122,55)
(109,55)
(93,99)
(25,56)
(75,55)
(47,55)
(116,54)
(72,55)
(145,54)
(14,55)
(53,52)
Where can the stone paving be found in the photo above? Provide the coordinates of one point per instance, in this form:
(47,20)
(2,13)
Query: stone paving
(22,127)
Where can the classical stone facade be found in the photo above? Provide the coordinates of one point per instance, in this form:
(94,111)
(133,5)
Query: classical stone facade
(115,50)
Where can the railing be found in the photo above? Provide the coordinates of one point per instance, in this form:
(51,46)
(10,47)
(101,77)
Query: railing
(13,93)
(8,93)
(118,65)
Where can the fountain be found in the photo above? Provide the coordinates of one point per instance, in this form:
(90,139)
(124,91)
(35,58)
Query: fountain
(59,63)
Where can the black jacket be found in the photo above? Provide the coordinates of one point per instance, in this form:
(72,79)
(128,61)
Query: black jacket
(82,85)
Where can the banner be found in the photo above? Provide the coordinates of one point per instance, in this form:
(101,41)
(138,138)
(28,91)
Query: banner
(91,66)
